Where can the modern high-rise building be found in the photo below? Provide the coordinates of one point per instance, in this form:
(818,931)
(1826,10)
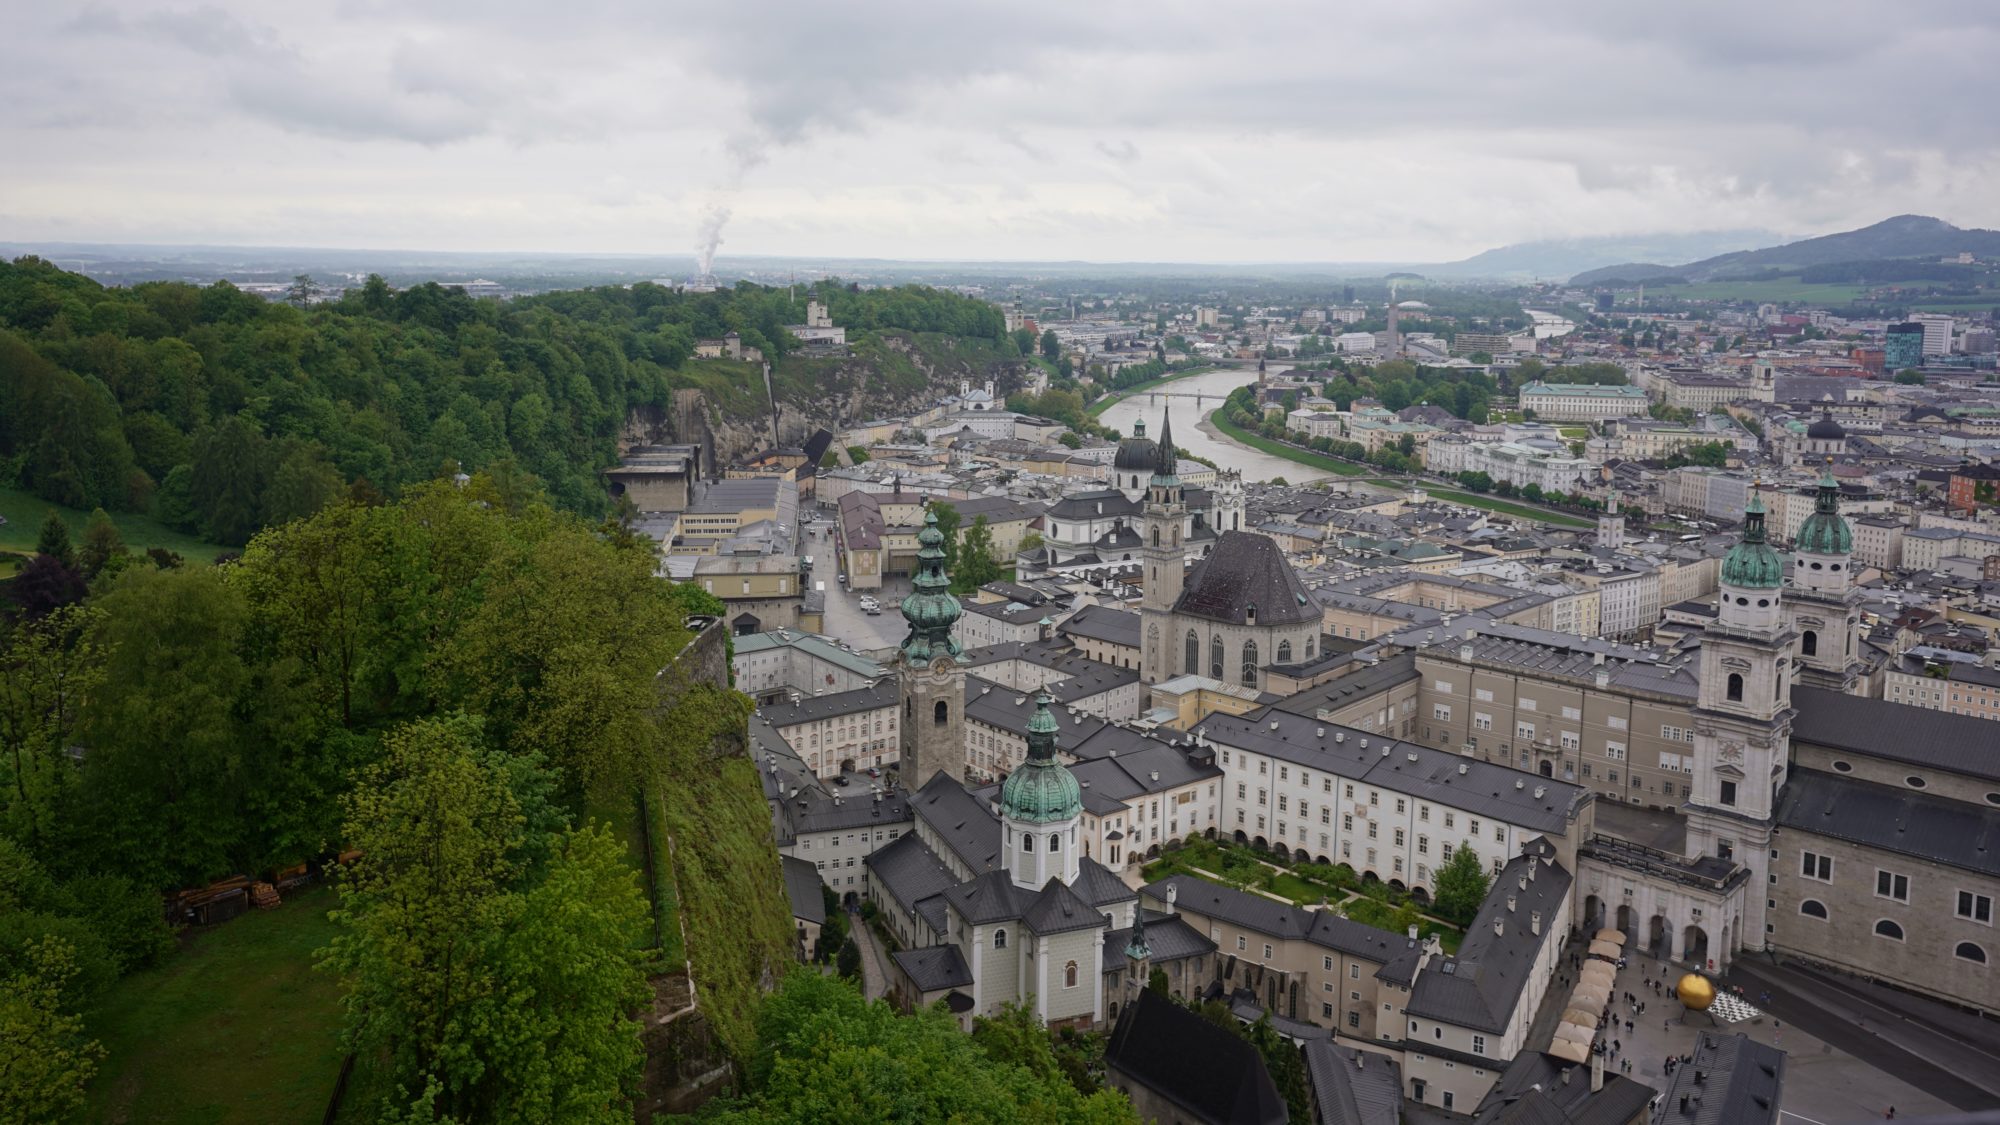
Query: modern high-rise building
(1903,347)
(1937,332)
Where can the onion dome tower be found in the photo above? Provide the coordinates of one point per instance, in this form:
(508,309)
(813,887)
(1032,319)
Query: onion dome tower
(930,669)
(1751,575)
(1822,604)
(1041,807)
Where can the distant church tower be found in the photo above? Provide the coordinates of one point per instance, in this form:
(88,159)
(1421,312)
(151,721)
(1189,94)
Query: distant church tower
(1229,502)
(1742,728)
(1822,605)
(1165,558)
(930,670)
(1611,527)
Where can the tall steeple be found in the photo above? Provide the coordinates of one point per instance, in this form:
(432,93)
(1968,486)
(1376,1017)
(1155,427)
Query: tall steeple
(1822,604)
(930,670)
(1164,553)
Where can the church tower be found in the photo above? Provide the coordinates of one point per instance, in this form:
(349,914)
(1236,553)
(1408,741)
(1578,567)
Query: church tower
(930,670)
(1041,811)
(1742,726)
(1821,605)
(1229,501)
(1611,527)
(1165,558)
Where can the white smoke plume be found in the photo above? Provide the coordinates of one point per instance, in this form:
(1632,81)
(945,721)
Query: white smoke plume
(708,235)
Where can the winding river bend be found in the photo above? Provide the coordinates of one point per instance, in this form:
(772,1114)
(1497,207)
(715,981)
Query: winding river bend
(1212,386)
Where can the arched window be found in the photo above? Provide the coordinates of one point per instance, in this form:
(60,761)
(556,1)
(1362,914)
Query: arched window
(1055,841)
(1069,975)
(1284,652)
(1193,665)
(999,939)
(1886,928)
(1813,908)
(1309,648)
(1250,663)
(1809,643)
(1970,952)
(941,714)
(1215,658)
(1736,687)
(1156,542)
(1027,842)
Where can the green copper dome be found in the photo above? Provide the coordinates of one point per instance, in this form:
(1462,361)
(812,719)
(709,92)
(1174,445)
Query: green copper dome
(1752,562)
(931,609)
(1043,789)
(1824,532)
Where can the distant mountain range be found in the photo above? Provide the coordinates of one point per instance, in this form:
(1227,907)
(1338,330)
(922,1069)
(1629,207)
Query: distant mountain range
(1561,257)
(1905,236)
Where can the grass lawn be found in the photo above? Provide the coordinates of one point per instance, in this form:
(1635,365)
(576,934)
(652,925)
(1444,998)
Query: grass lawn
(1475,500)
(26,511)
(236,1026)
(1112,399)
(1280,449)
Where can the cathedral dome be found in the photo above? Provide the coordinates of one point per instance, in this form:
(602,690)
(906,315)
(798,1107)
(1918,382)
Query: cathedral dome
(1042,790)
(1824,532)
(1752,562)
(1826,429)
(1136,453)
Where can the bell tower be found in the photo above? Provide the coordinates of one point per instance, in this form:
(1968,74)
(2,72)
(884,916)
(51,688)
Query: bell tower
(1041,810)
(930,670)
(1742,721)
(1611,526)
(1822,604)
(1165,558)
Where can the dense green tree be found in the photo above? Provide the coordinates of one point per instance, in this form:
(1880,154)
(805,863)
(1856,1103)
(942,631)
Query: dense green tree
(53,540)
(825,1054)
(1051,346)
(46,1061)
(103,545)
(1461,886)
(48,675)
(489,951)
(976,565)
(947,524)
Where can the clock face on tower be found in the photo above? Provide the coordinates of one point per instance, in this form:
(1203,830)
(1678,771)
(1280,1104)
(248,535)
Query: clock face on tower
(941,665)
(1731,754)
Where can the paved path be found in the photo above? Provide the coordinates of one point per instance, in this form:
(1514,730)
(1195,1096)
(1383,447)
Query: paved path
(874,963)
(1824,1083)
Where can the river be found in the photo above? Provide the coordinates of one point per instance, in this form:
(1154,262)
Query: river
(1255,465)
(1549,325)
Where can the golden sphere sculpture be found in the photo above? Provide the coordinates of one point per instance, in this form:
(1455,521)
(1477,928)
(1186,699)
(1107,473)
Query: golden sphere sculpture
(1695,991)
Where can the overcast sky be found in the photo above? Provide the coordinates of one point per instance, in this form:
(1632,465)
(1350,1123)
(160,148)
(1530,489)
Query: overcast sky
(1031,129)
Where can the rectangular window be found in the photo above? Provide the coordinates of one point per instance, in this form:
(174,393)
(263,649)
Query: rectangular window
(1527,704)
(1479,1044)
(1371,830)
(1888,884)
(1572,713)
(1241,789)
(1615,722)
(1524,731)
(1441,713)
(1326,1011)
(1327,963)
(1482,721)
(1240,943)
(1267,951)
(1979,908)
(1354,1019)
(1483,695)
(1450,819)
(1399,837)
(1570,741)
(1284,773)
(1728,793)
(1442,687)
(1814,866)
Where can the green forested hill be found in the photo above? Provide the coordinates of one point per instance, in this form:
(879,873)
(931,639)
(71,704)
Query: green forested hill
(220,413)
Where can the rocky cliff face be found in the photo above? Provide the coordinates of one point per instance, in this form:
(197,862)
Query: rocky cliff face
(890,374)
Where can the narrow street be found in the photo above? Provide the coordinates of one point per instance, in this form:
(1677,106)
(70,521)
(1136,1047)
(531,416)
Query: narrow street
(874,963)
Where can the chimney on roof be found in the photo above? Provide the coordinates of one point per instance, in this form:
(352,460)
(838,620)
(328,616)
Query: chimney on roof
(1510,908)
(1535,922)
(1500,924)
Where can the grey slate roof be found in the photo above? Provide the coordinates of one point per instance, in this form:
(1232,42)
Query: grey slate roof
(802,886)
(813,708)
(1482,788)
(1743,1082)
(1480,986)
(1099,886)
(1353,1087)
(1168,936)
(908,869)
(934,967)
(1896,731)
(990,897)
(1538,1088)
(1323,928)
(1060,910)
(1102,503)
(1211,1073)
(1363,681)
(998,705)
(1904,821)
(965,823)
(1103,623)
(1244,570)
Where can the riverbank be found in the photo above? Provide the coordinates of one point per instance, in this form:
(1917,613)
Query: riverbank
(1216,424)
(1116,397)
